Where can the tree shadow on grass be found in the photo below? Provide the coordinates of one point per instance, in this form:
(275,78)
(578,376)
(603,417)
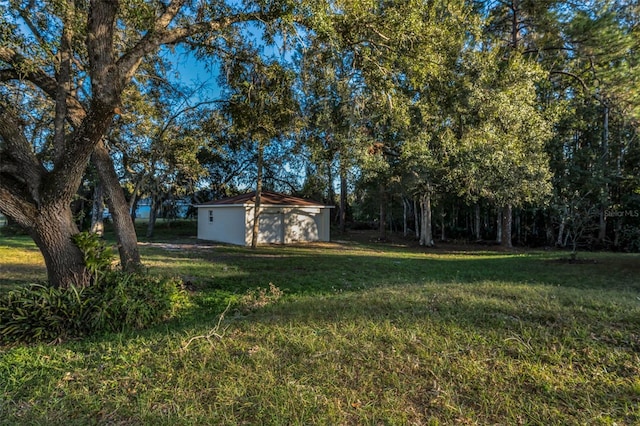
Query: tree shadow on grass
(516,309)
(15,275)
(524,333)
(303,272)
(219,273)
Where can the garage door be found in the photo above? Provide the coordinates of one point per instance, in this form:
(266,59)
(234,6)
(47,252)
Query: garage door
(271,228)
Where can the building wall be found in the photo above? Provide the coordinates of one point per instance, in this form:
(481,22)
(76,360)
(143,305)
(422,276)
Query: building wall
(277,225)
(223,224)
(302,224)
(271,226)
(323,221)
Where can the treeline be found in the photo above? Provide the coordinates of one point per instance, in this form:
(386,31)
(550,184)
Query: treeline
(508,121)
(520,127)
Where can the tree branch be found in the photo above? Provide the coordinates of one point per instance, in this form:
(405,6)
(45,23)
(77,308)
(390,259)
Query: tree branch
(574,76)
(14,206)
(63,80)
(22,12)
(547,49)
(160,35)
(19,153)
(105,78)
(75,110)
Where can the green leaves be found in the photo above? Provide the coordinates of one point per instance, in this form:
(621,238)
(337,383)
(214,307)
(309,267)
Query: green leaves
(505,134)
(98,257)
(262,105)
(120,301)
(42,313)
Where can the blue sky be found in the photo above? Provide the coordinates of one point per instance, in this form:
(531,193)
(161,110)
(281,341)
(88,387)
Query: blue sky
(193,73)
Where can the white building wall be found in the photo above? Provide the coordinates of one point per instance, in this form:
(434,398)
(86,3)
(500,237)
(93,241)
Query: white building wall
(323,221)
(301,225)
(222,224)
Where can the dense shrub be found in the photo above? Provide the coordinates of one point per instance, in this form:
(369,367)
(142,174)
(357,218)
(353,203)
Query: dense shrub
(630,239)
(98,257)
(41,313)
(123,301)
(119,301)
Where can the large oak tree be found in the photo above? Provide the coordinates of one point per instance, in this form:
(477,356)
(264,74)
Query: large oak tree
(74,58)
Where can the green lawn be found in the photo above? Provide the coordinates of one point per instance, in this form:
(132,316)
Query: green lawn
(364,334)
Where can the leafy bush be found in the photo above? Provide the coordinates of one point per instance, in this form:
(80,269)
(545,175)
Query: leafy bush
(123,300)
(98,257)
(41,313)
(630,239)
(115,301)
(119,301)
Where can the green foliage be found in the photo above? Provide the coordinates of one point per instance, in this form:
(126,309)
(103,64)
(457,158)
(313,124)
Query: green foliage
(122,301)
(43,313)
(261,105)
(98,257)
(502,155)
(118,302)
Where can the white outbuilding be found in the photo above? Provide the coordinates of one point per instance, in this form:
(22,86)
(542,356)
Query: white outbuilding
(283,219)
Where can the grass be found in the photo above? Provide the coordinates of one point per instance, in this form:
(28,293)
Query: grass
(20,263)
(364,334)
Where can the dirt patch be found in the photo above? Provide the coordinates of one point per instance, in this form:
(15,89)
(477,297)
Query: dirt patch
(180,246)
(576,261)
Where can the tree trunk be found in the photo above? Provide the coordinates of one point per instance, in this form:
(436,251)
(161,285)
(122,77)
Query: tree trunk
(97,211)
(133,206)
(515,24)
(477,222)
(426,230)
(343,196)
(602,226)
(416,218)
(507,220)
(331,195)
(153,214)
(499,227)
(518,226)
(604,192)
(405,217)
(52,231)
(442,226)
(382,228)
(119,209)
(563,223)
(257,204)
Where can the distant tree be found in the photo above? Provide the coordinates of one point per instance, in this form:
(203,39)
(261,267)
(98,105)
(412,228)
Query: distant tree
(261,107)
(503,156)
(332,108)
(158,139)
